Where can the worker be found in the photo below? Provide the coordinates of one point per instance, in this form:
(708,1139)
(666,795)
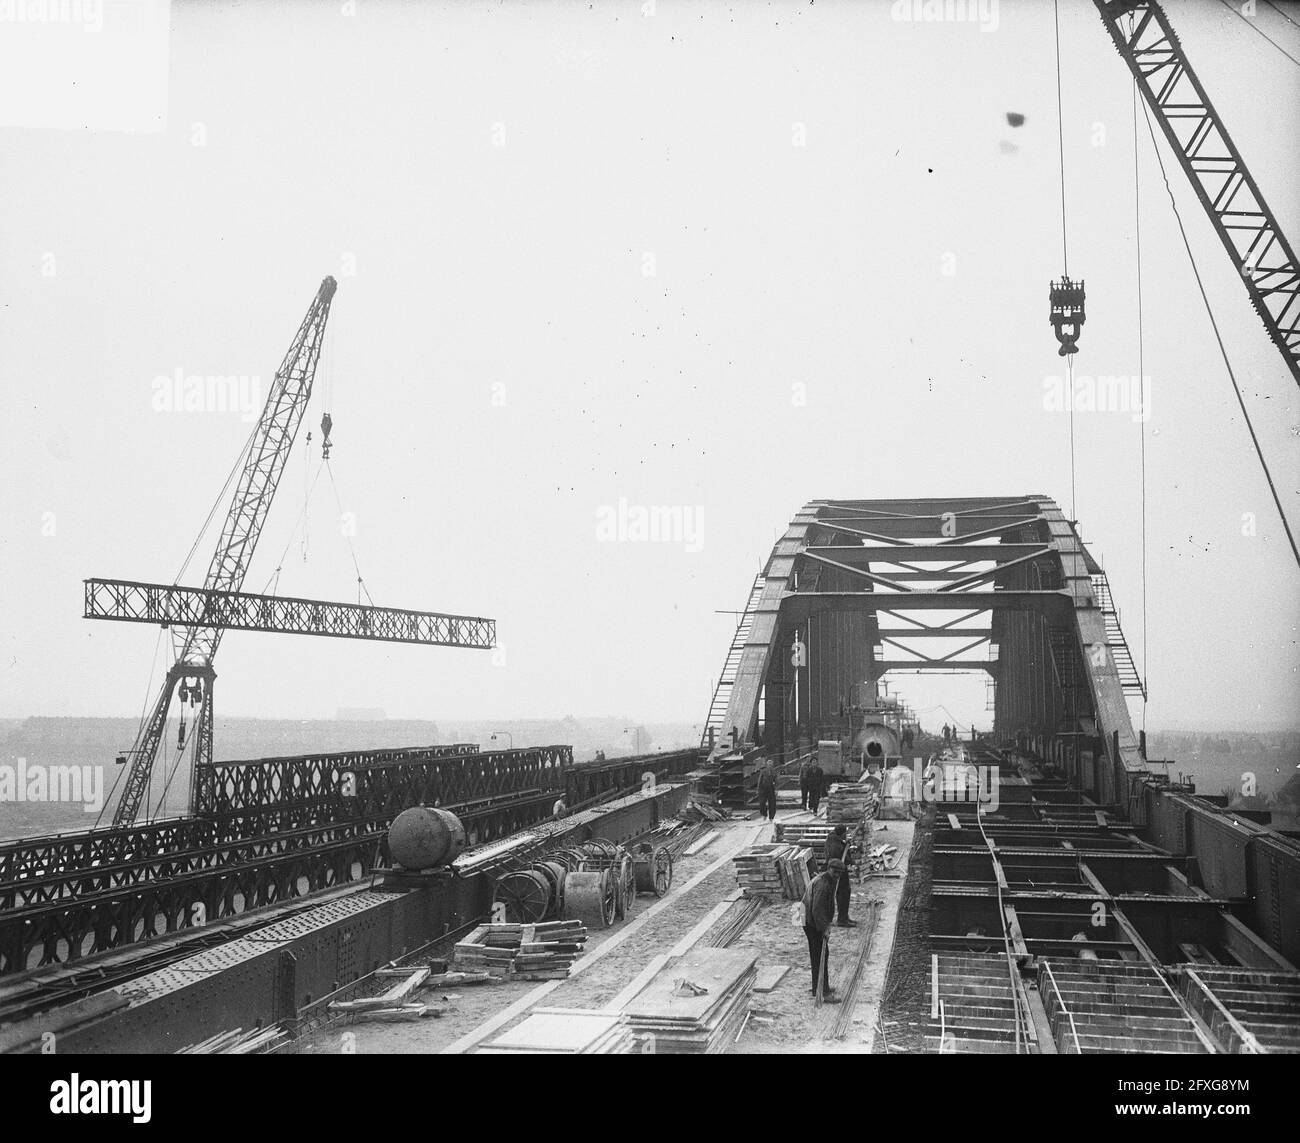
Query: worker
(767,790)
(815,778)
(837,849)
(818,911)
(559,809)
(804,767)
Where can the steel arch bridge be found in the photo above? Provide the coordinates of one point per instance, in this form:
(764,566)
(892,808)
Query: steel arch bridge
(1001,584)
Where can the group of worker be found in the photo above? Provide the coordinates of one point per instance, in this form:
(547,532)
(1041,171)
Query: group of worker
(812,785)
(828,893)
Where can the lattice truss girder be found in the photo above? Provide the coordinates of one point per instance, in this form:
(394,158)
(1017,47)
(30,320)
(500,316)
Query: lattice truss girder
(210,609)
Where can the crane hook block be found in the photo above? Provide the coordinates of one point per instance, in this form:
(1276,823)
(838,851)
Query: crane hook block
(1067,315)
(326,423)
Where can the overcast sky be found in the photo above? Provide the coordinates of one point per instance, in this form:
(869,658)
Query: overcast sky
(589,253)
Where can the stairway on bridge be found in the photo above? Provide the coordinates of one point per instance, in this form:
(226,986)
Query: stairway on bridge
(716,722)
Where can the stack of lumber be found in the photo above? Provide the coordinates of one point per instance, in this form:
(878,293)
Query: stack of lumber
(543,951)
(812,835)
(695,1004)
(851,802)
(564,1031)
(773,870)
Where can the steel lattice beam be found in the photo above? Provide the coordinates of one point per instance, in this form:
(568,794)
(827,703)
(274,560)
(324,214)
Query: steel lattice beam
(222,610)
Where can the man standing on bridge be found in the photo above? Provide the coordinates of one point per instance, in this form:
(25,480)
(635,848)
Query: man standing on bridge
(818,911)
(767,790)
(814,786)
(804,767)
(837,849)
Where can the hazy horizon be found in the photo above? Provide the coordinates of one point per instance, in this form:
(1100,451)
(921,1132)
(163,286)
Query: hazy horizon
(719,258)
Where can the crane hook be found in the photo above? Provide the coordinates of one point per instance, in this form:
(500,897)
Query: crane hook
(326,423)
(1067,316)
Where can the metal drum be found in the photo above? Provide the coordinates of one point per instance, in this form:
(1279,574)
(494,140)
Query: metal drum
(590,897)
(425,837)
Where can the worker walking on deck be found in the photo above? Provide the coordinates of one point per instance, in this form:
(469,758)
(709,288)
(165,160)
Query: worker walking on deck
(818,912)
(767,791)
(837,849)
(815,777)
(804,767)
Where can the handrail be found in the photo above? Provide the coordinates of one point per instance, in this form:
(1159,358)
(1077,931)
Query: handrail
(1074,1031)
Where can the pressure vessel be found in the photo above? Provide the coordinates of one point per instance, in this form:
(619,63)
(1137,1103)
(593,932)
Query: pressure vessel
(425,837)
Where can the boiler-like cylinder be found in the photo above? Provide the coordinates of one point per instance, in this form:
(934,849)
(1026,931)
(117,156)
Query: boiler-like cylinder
(425,837)
(876,742)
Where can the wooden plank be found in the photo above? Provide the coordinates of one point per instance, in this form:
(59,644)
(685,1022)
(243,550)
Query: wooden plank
(769,976)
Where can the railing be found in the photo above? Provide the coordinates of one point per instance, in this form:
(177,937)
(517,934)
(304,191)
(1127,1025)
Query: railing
(1061,1005)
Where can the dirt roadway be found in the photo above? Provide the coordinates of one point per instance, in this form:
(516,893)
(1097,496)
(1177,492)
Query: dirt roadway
(784,1020)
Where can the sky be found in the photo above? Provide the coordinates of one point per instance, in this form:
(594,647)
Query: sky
(723,258)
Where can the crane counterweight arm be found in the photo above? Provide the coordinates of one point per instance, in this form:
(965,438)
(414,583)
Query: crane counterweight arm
(1232,199)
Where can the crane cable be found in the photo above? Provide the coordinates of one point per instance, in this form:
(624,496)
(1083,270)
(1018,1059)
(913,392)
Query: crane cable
(1065,245)
(1250,428)
(1142,395)
(1260,31)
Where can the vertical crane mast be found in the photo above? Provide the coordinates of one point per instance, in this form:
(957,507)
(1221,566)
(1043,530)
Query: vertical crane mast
(1213,165)
(264,464)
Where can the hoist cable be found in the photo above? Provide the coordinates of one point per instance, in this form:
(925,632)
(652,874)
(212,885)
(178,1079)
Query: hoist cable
(1250,428)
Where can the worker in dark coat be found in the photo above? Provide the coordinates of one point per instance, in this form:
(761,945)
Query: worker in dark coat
(837,848)
(767,791)
(818,912)
(815,781)
(804,767)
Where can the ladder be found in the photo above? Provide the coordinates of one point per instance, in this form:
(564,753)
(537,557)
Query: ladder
(731,665)
(1129,678)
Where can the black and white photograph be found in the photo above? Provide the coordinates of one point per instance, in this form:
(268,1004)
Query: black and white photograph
(649,527)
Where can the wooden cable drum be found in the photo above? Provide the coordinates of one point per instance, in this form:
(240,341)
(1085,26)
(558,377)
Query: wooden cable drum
(626,876)
(555,873)
(590,897)
(654,872)
(526,895)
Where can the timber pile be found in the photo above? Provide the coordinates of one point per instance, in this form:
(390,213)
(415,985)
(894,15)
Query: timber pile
(695,1004)
(811,835)
(564,1031)
(851,803)
(773,870)
(543,951)
(395,1003)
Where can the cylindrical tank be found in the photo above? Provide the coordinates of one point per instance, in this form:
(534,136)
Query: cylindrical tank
(877,742)
(425,837)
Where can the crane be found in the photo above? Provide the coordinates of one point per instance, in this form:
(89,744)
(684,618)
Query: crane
(200,616)
(1218,174)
